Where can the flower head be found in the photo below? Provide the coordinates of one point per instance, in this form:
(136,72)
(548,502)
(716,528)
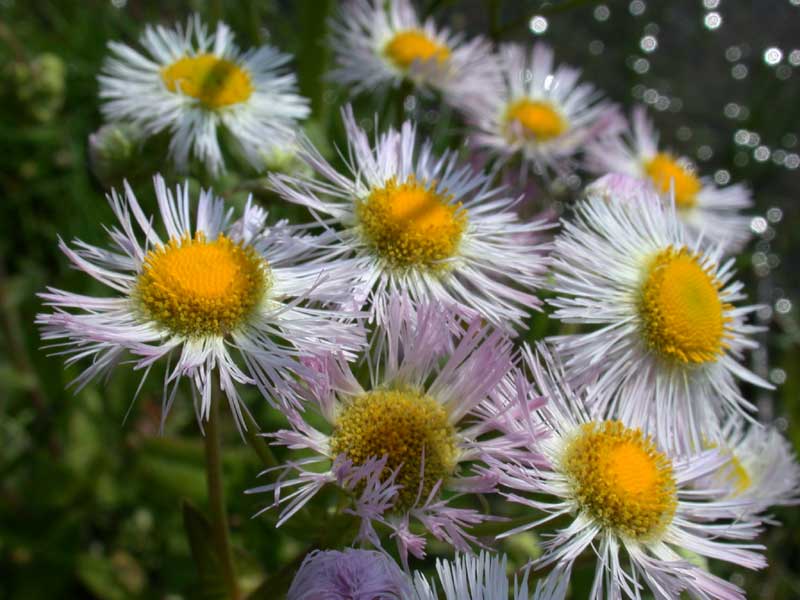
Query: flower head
(669,341)
(539,112)
(761,467)
(425,226)
(624,497)
(208,287)
(380,44)
(191,83)
(709,212)
(349,575)
(401,445)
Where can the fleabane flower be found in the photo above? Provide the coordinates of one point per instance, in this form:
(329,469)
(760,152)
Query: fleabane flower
(351,574)
(471,577)
(425,226)
(208,291)
(540,113)
(191,83)
(667,349)
(401,445)
(761,467)
(709,212)
(634,505)
(380,44)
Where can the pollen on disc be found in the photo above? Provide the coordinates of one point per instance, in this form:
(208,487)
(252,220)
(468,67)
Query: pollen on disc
(195,287)
(411,224)
(215,82)
(402,425)
(621,480)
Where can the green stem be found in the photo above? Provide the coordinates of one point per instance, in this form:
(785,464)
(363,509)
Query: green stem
(257,443)
(216,495)
(405,89)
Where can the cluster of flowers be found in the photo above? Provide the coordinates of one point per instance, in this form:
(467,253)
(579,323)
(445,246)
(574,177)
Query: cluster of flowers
(632,439)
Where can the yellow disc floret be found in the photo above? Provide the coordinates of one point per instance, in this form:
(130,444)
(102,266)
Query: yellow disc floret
(620,480)
(195,287)
(401,425)
(412,45)
(666,171)
(411,224)
(683,317)
(215,82)
(538,120)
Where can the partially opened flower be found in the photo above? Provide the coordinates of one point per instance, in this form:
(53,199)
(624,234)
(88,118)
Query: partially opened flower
(707,211)
(380,44)
(191,83)
(401,445)
(425,226)
(209,291)
(762,467)
(471,577)
(349,575)
(667,350)
(539,113)
(635,506)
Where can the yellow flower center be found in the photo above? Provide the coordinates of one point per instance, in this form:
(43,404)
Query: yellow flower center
(196,287)
(215,82)
(407,47)
(401,425)
(538,119)
(411,225)
(621,480)
(666,171)
(682,314)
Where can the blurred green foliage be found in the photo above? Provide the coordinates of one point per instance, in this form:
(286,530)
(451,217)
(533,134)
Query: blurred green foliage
(95,502)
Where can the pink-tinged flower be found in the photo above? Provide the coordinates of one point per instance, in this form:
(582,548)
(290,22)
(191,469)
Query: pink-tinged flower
(641,510)
(381,44)
(668,341)
(540,113)
(207,291)
(425,226)
(710,213)
(404,444)
(349,575)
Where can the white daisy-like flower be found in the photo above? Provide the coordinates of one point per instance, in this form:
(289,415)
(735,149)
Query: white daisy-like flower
(209,291)
(192,83)
(635,506)
(379,44)
(762,467)
(424,225)
(669,341)
(540,113)
(708,211)
(471,577)
(403,444)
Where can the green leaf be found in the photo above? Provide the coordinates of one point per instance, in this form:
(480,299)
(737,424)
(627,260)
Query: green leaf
(210,582)
(116,577)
